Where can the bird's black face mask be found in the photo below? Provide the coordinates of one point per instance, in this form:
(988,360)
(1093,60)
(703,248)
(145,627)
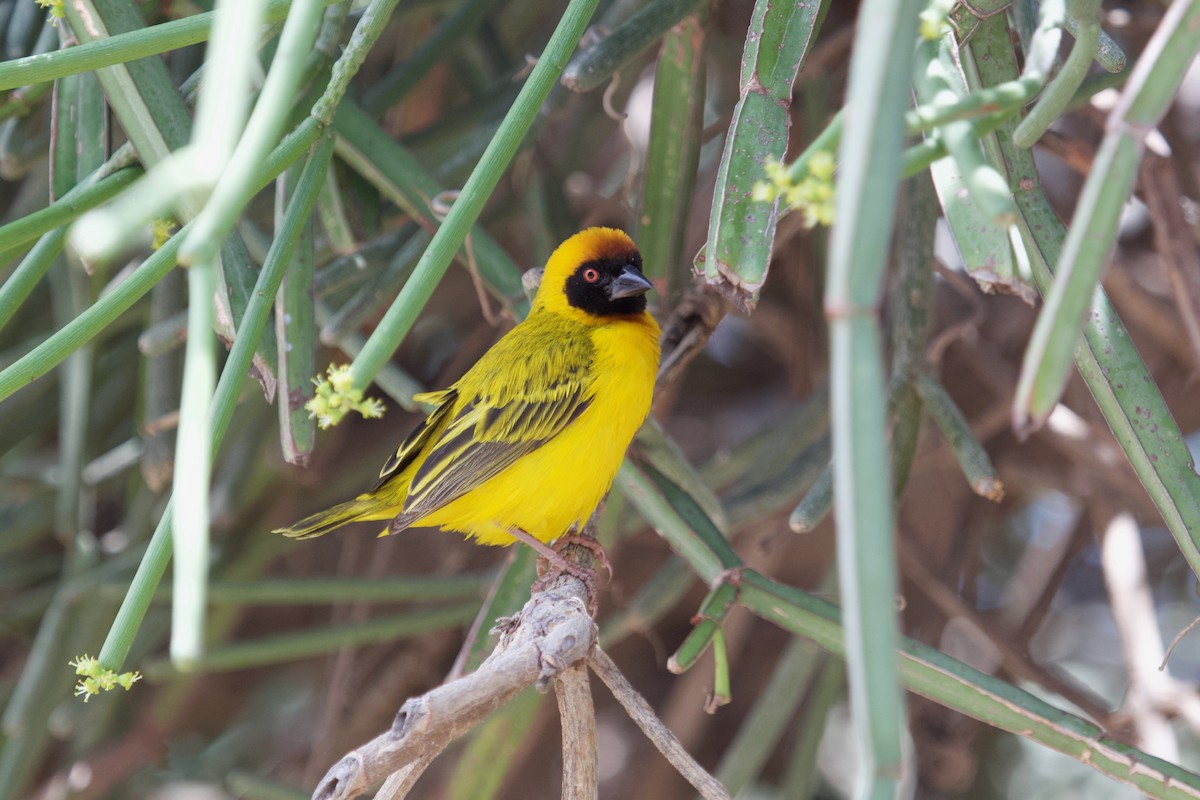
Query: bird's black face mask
(608,287)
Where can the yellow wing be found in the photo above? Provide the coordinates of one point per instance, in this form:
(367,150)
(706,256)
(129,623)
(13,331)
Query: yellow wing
(519,396)
(412,446)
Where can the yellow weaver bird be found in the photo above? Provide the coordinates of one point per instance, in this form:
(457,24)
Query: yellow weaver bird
(528,441)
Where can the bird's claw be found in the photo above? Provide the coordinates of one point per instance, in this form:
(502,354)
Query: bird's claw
(549,570)
(587,543)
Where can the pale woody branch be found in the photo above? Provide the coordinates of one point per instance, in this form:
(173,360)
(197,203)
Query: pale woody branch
(550,639)
(552,633)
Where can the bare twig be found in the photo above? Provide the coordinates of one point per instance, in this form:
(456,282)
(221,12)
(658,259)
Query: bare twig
(341,673)
(686,332)
(552,632)
(400,782)
(578,734)
(1016,662)
(1080,535)
(1174,240)
(658,733)
(1154,697)
(485,611)
(968,325)
(1179,637)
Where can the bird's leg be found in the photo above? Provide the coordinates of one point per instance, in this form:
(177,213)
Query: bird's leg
(547,552)
(558,564)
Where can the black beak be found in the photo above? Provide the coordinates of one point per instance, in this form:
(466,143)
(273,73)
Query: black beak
(630,283)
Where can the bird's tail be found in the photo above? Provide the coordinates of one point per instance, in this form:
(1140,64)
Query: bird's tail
(363,507)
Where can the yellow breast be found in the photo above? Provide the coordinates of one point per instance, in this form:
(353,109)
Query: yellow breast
(559,485)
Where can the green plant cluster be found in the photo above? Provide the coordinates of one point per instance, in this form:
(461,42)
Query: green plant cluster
(236,190)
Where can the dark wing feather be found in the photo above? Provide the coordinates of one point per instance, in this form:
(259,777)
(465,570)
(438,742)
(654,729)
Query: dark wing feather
(503,422)
(421,435)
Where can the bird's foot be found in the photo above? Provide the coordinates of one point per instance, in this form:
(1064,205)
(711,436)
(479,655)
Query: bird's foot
(587,543)
(549,570)
(554,564)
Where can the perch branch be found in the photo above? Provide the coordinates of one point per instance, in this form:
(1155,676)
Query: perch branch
(552,633)
(658,733)
(578,734)
(400,782)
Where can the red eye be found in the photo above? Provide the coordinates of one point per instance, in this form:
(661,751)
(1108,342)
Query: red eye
(591,274)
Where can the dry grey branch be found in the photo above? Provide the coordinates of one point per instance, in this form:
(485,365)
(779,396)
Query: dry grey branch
(659,734)
(686,332)
(578,733)
(398,784)
(548,640)
(552,633)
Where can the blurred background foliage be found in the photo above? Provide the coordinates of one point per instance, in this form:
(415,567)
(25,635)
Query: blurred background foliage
(1049,566)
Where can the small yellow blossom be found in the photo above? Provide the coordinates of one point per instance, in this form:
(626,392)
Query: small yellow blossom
(97,679)
(810,190)
(821,165)
(335,397)
(162,230)
(55,7)
(764,192)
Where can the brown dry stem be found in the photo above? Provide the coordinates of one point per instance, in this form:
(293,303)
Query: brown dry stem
(549,640)
(1154,697)
(552,632)
(578,716)
(659,734)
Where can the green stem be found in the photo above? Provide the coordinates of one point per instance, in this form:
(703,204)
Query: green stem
(396,85)
(1123,388)
(741,227)
(453,231)
(776,706)
(158,553)
(1061,90)
(393,170)
(951,683)
(193,466)
(1094,227)
(141,93)
(121,48)
(972,458)
(672,157)
(324,591)
(936,69)
(707,624)
(870,158)
(262,133)
(25,278)
(910,305)
(678,518)
(816,505)
(293,646)
(98,189)
(802,776)
(220,114)
(595,66)
(989,106)
(721,691)
(87,325)
(369,28)
(294,330)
